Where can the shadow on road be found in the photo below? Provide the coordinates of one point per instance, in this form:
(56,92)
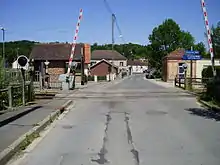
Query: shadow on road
(208,114)
(14,117)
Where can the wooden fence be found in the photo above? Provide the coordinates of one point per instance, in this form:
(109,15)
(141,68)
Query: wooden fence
(12,96)
(191,83)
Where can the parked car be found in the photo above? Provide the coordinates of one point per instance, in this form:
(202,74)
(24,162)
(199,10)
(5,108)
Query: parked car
(152,74)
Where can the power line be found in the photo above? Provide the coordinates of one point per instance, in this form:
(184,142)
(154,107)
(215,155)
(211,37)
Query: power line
(115,19)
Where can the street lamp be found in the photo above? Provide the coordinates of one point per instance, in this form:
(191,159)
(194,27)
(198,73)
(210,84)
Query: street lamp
(3,45)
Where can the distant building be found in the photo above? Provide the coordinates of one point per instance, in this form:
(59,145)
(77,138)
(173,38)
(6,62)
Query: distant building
(107,57)
(113,57)
(58,57)
(104,69)
(173,65)
(137,66)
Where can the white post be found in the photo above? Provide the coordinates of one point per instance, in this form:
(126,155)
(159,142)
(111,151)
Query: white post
(95,78)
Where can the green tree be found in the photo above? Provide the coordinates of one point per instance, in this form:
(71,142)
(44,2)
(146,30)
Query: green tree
(15,48)
(201,48)
(166,38)
(130,50)
(216,40)
(215,35)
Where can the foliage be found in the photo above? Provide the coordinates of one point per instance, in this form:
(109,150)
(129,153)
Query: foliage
(131,51)
(100,78)
(124,74)
(216,40)
(15,48)
(215,35)
(90,78)
(206,73)
(166,38)
(212,85)
(201,48)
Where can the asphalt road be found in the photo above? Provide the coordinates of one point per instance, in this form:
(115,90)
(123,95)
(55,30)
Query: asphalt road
(134,122)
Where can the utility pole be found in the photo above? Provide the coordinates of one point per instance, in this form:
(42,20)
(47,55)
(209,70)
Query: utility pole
(191,70)
(3,45)
(17,56)
(113,41)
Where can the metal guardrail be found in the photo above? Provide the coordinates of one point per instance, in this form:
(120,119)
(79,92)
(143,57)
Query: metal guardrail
(51,85)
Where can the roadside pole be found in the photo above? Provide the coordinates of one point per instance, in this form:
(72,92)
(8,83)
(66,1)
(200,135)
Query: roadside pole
(191,71)
(23,86)
(23,62)
(82,70)
(113,41)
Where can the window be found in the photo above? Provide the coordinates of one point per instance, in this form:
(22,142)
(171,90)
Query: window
(121,63)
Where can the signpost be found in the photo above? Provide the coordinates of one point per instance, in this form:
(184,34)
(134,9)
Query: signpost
(191,55)
(23,62)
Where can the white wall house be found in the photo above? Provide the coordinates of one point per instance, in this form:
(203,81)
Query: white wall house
(204,63)
(137,66)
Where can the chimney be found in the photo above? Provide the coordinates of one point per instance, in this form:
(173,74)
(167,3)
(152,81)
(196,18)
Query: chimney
(87,53)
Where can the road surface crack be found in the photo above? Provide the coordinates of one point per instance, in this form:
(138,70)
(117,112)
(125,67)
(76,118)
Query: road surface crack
(103,150)
(130,140)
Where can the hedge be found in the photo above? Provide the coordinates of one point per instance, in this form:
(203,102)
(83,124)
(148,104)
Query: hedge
(212,85)
(101,78)
(90,78)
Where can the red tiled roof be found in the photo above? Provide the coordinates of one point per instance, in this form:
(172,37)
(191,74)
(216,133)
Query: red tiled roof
(107,55)
(103,60)
(54,51)
(176,55)
(137,63)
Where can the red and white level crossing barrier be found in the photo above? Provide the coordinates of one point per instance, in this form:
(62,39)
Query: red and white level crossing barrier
(207,28)
(208,36)
(74,42)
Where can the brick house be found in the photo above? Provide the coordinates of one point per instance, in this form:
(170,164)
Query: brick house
(103,68)
(58,56)
(172,65)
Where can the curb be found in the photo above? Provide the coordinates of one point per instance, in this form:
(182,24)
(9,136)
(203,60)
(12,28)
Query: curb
(192,93)
(211,107)
(10,151)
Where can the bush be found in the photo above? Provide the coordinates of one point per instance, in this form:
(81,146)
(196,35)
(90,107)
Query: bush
(124,74)
(213,89)
(90,78)
(85,78)
(206,74)
(100,78)
(212,84)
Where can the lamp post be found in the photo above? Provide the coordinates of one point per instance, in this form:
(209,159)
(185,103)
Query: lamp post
(3,45)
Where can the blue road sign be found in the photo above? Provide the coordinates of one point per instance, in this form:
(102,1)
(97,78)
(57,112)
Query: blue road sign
(192,52)
(191,57)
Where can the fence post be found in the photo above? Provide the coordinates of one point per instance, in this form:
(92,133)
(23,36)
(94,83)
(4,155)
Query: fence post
(23,86)
(10,97)
(185,83)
